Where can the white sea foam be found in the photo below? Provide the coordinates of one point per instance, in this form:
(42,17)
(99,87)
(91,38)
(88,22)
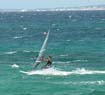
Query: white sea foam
(98,82)
(23,10)
(58,29)
(68,40)
(11,52)
(82,60)
(61,62)
(98,28)
(84,71)
(64,55)
(26,51)
(53,71)
(24,28)
(17,37)
(15,66)
(53,24)
(70,16)
(50,71)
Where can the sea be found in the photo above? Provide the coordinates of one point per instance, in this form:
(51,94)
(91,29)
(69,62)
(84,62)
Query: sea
(76,44)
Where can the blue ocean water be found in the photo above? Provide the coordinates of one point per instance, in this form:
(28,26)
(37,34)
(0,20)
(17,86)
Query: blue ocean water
(76,43)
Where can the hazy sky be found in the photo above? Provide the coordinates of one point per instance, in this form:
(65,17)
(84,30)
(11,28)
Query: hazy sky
(30,4)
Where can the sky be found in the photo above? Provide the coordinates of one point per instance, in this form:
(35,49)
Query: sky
(32,4)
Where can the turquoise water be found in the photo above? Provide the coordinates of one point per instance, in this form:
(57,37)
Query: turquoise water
(76,43)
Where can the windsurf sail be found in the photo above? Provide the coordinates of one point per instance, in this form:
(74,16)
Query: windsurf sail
(42,51)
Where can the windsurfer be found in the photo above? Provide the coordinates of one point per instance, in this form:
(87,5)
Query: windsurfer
(41,54)
(49,62)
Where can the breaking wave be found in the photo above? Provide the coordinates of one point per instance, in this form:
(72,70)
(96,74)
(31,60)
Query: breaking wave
(15,66)
(15,52)
(17,37)
(53,71)
(10,52)
(98,82)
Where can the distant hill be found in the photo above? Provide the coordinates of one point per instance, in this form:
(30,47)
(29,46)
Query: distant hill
(81,8)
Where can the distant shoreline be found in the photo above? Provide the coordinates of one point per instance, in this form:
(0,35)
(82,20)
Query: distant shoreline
(54,9)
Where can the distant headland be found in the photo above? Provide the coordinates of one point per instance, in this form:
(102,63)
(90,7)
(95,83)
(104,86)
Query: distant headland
(81,8)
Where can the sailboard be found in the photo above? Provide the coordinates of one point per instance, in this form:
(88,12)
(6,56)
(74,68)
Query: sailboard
(42,51)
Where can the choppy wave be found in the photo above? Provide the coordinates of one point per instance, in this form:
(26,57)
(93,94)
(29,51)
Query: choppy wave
(50,71)
(24,28)
(98,28)
(98,82)
(82,60)
(103,19)
(15,66)
(27,51)
(68,40)
(64,55)
(61,62)
(53,71)
(84,71)
(15,52)
(17,37)
(10,52)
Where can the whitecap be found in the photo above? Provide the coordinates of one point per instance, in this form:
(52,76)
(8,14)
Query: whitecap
(53,71)
(83,71)
(64,55)
(68,40)
(82,60)
(24,28)
(11,52)
(98,28)
(61,62)
(58,29)
(53,24)
(23,10)
(98,82)
(49,71)
(15,66)
(70,16)
(17,37)
(26,51)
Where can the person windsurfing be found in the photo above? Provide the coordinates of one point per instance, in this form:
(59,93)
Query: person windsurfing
(49,62)
(40,57)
